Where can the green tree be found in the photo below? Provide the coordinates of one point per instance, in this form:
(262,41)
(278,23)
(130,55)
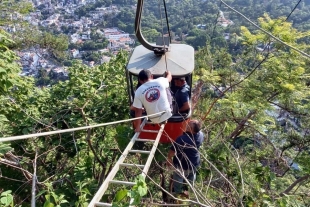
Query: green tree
(43,78)
(197,38)
(245,99)
(88,45)
(12,11)
(56,45)
(8,66)
(88,97)
(246,160)
(151,35)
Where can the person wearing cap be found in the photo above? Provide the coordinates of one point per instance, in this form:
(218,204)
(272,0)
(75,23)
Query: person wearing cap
(185,155)
(152,95)
(181,95)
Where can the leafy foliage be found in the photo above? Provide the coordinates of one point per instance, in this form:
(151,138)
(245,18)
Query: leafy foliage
(8,66)
(12,8)
(254,106)
(247,96)
(88,97)
(125,198)
(6,199)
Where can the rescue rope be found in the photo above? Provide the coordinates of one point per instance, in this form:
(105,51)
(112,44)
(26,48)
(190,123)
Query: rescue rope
(27,136)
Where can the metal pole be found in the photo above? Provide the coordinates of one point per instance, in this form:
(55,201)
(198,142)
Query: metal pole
(34,177)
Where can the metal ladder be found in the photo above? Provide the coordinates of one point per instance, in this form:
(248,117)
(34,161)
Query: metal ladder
(95,202)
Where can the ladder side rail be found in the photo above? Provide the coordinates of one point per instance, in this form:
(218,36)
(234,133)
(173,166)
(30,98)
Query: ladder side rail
(153,150)
(151,156)
(114,170)
(103,204)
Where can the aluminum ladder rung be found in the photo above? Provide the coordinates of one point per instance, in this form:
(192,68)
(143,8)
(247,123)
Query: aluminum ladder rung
(131,165)
(150,131)
(145,140)
(100,204)
(139,151)
(122,182)
(120,163)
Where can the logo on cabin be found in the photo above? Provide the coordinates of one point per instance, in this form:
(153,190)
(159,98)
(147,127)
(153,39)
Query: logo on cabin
(152,95)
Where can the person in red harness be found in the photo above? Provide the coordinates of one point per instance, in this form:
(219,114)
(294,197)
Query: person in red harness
(152,95)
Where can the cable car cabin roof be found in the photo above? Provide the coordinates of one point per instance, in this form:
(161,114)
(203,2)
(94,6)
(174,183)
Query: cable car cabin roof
(180,60)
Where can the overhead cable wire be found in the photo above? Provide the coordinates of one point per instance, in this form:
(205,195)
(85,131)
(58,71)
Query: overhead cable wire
(27,136)
(266,32)
(162,35)
(293,10)
(167,20)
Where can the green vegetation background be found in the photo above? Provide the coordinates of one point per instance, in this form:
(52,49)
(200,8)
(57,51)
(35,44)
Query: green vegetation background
(248,153)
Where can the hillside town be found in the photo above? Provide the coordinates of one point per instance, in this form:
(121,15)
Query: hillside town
(62,16)
(88,38)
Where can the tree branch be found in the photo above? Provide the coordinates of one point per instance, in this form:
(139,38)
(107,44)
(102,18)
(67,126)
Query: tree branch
(241,125)
(12,164)
(287,109)
(299,180)
(196,94)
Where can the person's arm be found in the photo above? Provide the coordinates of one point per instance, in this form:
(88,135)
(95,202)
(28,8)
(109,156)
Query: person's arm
(185,107)
(184,99)
(137,123)
(168,76)
(170,155)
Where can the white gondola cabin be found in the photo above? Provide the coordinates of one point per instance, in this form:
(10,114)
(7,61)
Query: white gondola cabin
(158,58)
